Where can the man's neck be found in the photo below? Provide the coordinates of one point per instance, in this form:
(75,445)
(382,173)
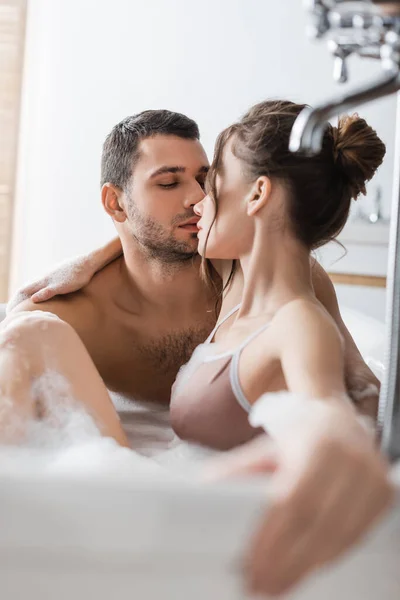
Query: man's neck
(166,286)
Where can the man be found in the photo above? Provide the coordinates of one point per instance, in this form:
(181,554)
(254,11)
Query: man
(141,316)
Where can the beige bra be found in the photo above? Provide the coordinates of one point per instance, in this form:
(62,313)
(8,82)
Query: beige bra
(209,376)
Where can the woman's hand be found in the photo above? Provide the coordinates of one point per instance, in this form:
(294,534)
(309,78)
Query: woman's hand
(329,484)
(68,277)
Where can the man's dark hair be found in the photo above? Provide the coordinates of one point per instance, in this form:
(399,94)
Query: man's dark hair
(121,147)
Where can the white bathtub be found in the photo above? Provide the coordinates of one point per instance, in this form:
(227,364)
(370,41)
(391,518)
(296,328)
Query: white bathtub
(80,537)
(86,539)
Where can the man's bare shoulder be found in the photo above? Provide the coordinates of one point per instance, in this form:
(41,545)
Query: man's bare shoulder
(77,309)
(85,310)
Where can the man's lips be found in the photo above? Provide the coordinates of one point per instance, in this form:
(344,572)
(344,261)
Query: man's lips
(190,225)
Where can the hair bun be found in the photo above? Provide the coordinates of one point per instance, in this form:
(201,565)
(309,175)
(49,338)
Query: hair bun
(357,151)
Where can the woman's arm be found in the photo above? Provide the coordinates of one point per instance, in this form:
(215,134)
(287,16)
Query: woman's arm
(311,351)
(362,385)
(69,277)
(329,482)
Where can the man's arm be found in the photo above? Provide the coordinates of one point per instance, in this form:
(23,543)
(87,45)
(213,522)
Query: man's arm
(362,385)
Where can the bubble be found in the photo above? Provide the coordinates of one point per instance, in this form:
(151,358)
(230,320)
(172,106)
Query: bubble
(67,441)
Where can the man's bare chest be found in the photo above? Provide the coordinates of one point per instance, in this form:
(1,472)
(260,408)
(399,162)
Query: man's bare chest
(141,361)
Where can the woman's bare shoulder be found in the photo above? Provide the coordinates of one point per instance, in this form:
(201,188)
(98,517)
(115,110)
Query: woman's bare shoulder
(303,316)
(304,320)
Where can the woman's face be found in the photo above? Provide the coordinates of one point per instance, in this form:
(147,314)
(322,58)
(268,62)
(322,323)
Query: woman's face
(232,231)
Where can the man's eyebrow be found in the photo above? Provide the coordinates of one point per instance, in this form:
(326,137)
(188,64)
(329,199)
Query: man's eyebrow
(176,169)
(167,169)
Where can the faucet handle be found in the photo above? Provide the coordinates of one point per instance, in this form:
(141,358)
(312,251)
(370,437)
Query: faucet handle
(340,71)
(340,53)
(376,214)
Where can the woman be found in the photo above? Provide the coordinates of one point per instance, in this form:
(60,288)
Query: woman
(273,209)
(268,209)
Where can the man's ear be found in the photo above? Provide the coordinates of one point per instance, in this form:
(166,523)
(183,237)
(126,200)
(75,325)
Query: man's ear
(111,198)
(259,195)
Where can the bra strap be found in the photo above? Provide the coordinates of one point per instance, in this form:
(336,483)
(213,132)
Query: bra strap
(218,325)
(234,370)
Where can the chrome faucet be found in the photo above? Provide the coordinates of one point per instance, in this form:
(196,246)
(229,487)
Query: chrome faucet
(309,127)
(354,28)
(363,28)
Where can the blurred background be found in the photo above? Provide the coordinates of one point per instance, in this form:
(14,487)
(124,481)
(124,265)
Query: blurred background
(71,69)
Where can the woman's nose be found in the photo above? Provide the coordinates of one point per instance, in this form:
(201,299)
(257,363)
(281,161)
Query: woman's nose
(198,207)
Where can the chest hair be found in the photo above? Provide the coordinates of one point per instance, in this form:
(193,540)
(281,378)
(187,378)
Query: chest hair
(170,351)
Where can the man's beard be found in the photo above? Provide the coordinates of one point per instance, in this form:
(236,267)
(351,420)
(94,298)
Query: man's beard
(156,243)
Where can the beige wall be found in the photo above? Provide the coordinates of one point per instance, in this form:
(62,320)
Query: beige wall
(12,33)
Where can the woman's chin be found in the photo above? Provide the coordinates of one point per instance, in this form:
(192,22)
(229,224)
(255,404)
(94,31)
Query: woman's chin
(207,250)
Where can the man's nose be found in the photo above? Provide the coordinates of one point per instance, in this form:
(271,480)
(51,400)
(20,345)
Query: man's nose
(196,196)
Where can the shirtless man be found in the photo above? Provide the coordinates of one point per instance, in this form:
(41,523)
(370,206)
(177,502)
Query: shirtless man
(142,315)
